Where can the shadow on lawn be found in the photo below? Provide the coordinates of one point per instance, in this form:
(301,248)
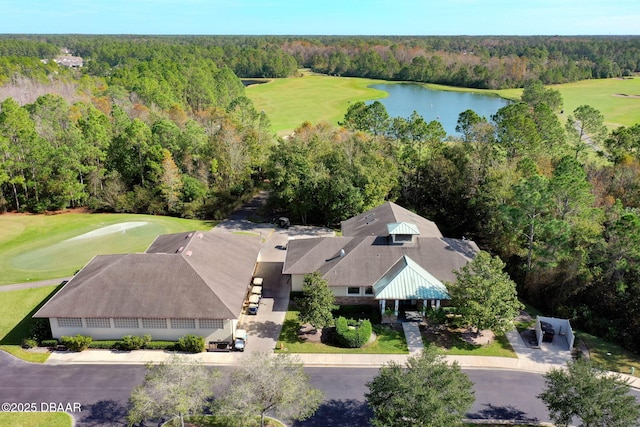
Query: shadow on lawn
(289,333)
(23,329)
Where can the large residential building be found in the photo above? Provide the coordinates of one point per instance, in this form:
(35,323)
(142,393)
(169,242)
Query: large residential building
(387,256)
(185,283)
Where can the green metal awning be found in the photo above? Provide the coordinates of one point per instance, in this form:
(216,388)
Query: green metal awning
(406,280)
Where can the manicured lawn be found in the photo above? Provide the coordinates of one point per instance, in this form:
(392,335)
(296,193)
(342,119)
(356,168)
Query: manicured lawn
(605,96)
(612,356)
(290,102)
(617,99)
(31,419)
(451,341)
(15,320)
(388,342)
(499,347)
(38,247)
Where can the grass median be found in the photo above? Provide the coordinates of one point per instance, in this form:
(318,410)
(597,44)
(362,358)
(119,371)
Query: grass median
(30,419)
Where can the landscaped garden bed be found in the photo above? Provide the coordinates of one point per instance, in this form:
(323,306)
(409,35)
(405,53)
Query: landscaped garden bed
(298,338)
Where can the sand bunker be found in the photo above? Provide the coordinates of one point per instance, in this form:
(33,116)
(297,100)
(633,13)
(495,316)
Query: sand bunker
(110,229)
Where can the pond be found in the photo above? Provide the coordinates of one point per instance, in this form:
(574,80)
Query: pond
(440,105)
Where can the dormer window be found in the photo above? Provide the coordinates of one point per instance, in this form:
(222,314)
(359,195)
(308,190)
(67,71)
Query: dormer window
(402,232)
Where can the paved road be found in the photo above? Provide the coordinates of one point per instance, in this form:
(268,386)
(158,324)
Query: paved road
(103,391)
(500,395)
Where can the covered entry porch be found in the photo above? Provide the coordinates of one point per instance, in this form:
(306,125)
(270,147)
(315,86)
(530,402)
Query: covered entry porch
(408,284)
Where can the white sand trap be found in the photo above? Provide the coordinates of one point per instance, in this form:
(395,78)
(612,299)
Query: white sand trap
(110,229)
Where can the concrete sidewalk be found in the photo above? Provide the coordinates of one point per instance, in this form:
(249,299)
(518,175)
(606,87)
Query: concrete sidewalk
(526,361)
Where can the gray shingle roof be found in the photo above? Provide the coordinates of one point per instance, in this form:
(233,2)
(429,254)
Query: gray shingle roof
(368,258)
(374,222)
(207,278)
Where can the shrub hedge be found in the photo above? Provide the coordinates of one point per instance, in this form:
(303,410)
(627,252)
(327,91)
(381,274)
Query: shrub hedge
(49,343)
(352,333)
(129,342)
(191,344)
(77,343)
(103,344)
(161,345)
(29,343)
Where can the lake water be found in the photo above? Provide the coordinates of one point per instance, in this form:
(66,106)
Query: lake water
(440,105)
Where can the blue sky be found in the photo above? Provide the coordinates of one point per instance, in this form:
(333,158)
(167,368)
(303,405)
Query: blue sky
(326,17)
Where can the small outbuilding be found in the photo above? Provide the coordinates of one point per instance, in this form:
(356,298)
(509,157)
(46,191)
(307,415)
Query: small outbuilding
(549,329)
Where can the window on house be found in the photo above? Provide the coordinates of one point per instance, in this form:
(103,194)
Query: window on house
(402,238)
(183,323)
(98,322)
(211,323)
(125,323)
(154,323)
(368,290)
(353,290)
(69,322)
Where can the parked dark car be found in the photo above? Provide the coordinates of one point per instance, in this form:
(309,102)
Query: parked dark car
(547,331)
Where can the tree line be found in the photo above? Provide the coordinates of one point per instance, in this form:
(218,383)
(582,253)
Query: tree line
(470,61)
(493,62)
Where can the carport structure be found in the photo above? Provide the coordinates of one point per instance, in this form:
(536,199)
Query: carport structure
(554,329)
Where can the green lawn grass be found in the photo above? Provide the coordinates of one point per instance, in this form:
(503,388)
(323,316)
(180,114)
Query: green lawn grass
(291,101)
(612,356)
(605,96)
(499,347)
(31,419)
(315,98)
(388,341)
(37,247)
(15,319)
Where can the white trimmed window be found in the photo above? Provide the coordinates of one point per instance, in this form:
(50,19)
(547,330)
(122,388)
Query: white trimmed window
(211,323)
(123,322)
(69,322)
(368,290)
(154,323)
(98,322)
(353,290)
(183,323)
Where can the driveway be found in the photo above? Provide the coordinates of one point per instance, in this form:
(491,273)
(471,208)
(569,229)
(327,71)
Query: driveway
(263,329)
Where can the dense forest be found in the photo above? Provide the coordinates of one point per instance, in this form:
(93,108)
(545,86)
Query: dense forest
(480,61)
(493,62)
(162,125)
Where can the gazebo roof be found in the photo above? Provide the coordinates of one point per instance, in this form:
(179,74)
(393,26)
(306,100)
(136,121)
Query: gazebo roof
(406,280)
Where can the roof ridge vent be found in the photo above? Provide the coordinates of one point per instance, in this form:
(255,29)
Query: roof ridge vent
(180,249)
(188,253)
(189,235)
(200,235)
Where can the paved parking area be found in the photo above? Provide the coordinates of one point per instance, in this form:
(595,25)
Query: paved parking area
(263,329)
